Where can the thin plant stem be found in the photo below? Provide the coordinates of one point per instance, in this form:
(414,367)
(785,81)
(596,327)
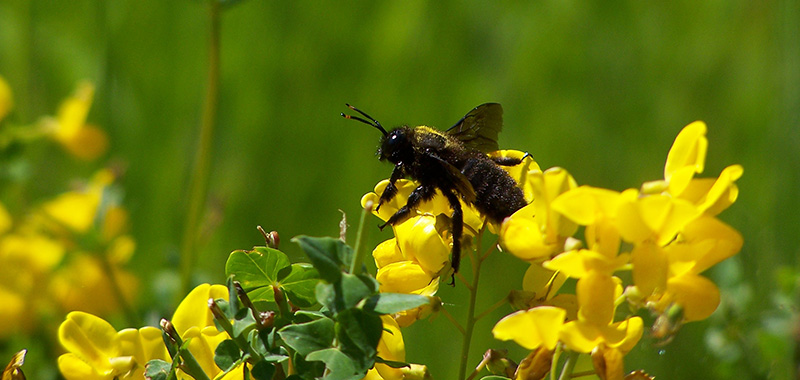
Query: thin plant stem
(198,188)
(452,320)
(473,296)
(360,252)
(569,365)
(491,308)
(130,315)
(554,363)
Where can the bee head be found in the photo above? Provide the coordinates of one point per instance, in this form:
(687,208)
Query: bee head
(396,146)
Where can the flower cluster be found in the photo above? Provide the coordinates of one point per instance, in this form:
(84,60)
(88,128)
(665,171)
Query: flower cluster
(97,351)
(67,252)
(666,233)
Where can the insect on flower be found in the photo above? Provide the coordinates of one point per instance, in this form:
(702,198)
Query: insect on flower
(455,162)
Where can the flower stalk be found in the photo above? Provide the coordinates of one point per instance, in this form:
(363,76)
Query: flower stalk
(198,187)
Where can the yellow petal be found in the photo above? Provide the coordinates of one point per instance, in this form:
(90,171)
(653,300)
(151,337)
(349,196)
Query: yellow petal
(719,240)
(89,338)
(698,295)
(585,205)
(193,310)
(87,143)
(580,336)
(5,217)
(608,363)
(686,157)
(624,335)
(521,235)
(6,99)
(539,326)
(596,295)
(541,281)
(419,241)
(657,217)
(548,186)
(76,210)
(391,347)
(73,368)
(403,277)
(603,237)
(650,268)
(73,111)
(386,253)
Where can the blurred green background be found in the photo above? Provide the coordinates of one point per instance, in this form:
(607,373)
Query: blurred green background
(599,88)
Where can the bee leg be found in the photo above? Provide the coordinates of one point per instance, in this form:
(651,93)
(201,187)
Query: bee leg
(458,230)
(391,190)
(419,194)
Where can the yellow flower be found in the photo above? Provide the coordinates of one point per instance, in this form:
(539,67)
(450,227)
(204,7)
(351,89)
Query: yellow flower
(406,277)
(26,263)
(419,241)
(83,284)
(6,99)
(532,328)
(386,253)
(703,243)
(194,322)
(391,347)
(437,205)
(97,351)
(537,231)
(69,127)
(687,158)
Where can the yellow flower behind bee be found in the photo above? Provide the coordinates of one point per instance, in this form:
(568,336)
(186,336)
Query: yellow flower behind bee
(69,127)
(6,98)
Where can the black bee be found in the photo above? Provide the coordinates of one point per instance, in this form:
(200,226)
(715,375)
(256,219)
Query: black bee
(455,162)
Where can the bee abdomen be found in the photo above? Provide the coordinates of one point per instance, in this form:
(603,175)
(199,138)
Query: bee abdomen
(496,193)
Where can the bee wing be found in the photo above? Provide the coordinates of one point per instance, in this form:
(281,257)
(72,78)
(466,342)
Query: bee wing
(459,180)
(478,129)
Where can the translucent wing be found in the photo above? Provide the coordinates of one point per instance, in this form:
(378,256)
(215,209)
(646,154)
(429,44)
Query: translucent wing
(479,128)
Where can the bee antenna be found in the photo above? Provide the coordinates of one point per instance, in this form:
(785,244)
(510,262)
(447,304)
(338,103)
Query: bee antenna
(376,124)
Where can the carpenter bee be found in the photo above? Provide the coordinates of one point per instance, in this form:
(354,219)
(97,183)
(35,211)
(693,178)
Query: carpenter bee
(455,162)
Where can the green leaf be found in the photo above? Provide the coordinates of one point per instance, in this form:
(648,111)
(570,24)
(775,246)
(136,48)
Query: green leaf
(299,284)
(344,294)
(358,333)
(308,337)
(157,369)
(339,366)
(227,354)
(263,370)
(390,303)
(327,254)
(257,269)
(494,377)
(244,323)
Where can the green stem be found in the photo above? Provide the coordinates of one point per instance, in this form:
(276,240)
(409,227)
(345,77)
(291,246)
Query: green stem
(554,362)
(569,366)
(473,296)
(355,266)
(198,188)
(131,316)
